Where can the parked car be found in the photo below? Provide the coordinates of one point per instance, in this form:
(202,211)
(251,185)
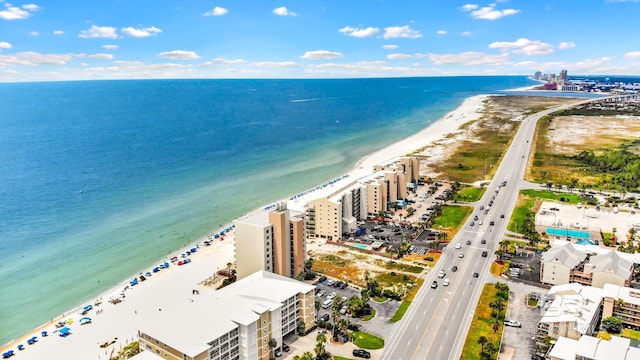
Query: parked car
(512,323)
(277,352)
(286,347)
(343,310)
(361,353)
(324,317)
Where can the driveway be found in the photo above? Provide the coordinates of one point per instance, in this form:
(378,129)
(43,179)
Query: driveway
(518,343)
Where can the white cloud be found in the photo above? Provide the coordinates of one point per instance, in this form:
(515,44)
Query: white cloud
(284,64)
(442,32)
(58,32)
(34,33)
(16,13)
(320,55)
(632,55)
(488,12)
(465,33)
(109,47)
(95,32)
(99,56)
(221,61)
(5,45)
(34,58)
(179,55)
(404,32)
(566,45)
(216,11)
(140,33)
(470,58)
(360,33)
(398,56)
(283,11)
(390,47)
(527,64)
(524,46)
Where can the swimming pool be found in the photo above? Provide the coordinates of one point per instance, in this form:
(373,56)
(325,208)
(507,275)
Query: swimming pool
(569,233)
(585,242)
(359,246)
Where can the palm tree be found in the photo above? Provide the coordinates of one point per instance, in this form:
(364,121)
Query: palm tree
(320,350)
(498,305)
(229,268)
(335,316)
(306,356)
(482,340)
(495,325)
(491,348)
(272,345)
(504,245)
(620,302)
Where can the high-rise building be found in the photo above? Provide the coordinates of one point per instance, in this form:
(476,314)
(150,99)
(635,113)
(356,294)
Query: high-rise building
(273,241)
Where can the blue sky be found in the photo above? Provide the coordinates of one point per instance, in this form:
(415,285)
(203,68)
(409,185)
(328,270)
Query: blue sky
(132,39)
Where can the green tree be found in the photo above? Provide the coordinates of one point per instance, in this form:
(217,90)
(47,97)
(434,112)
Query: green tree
(273,343)
(612,324)
(482,340)
(305,356)
(320,349)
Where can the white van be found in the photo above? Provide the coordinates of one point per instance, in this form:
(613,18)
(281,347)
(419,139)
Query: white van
(327,303)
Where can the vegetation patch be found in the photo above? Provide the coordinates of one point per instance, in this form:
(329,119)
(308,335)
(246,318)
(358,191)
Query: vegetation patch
(393,265)
(524,205)
(367,341)
(551,195)
(483,339)
(401,311)
(338,267)
(452,216)
(497,268)
(469,194)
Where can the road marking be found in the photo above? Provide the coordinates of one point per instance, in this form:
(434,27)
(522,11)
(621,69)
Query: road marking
(440,349)
(408,342)
(445,299)
(446,332)
(417,326)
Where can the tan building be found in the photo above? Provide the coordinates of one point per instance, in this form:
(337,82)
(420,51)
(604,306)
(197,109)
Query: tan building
(572,310)
(330,217)
(623,303)
(377,196)
(272,241)
(234,323)
(572,263)
(402,176)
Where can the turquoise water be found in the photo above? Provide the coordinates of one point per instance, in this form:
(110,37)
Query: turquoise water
(585,242)
(359,246)
(569,233)
(102,179)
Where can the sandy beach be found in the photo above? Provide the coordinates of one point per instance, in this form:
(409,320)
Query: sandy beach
(175,284)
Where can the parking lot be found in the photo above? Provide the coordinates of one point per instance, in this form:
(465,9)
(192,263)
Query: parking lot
(518,342)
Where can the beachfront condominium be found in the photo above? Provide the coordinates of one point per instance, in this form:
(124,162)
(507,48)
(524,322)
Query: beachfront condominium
(402,175)
(272,241)
(329,217)
(236,322)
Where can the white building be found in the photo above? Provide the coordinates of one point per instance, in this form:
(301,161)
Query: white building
(592,348)
(234,323)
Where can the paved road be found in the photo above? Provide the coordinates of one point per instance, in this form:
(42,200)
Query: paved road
(436,325)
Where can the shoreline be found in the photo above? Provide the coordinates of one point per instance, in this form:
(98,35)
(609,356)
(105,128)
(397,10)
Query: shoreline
(116,321)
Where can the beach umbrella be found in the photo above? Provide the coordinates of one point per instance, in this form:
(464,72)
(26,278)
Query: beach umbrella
(44,333)
(85,320)
(64,331)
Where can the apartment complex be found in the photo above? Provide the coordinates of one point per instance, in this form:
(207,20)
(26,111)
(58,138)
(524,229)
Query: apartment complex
(623,303)
(329,217)
(593,348)
(590,265)
(236,322)
(570,310)
(272,241)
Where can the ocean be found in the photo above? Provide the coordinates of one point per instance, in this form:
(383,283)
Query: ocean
(101,179)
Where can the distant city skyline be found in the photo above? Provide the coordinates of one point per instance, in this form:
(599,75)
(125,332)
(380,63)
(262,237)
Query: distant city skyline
(120,39)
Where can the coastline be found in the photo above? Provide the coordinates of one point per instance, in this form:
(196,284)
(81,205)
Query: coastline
(115,321)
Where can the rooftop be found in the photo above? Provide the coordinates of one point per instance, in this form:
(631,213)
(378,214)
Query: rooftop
(574,303)
(594,348)
(189,326)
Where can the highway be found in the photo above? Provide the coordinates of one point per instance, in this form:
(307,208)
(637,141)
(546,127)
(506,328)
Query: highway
(436,324)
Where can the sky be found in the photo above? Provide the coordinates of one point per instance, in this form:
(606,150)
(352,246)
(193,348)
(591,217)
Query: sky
(54,40)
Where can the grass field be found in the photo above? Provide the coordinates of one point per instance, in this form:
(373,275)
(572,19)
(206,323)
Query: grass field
(525,204)
(452,216)
(470,194)
(367,341)
(401,311)
(551,195)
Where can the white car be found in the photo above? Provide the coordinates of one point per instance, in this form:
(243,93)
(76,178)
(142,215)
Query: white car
(331,296)
(460,255)
(512,323)
(441,274)
(458,246)
(445,282)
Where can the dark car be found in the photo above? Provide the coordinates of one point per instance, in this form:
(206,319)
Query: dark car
(492,223)
(468,242)
(454,268)
(502,216)
(483,241)
(285,347)
(361,353)
(324,317)
(343,285)
(475,274)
